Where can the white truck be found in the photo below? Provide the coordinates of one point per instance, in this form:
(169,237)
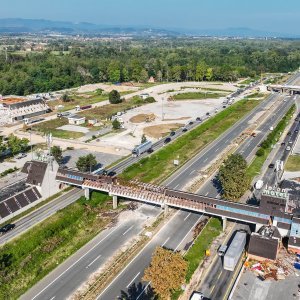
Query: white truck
(235,251)
(142,148)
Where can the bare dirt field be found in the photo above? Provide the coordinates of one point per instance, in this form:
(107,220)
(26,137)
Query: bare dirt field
(158,131)
(140,118)
(106,87)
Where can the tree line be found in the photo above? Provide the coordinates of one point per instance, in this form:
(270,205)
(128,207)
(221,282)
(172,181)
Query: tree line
(137,60)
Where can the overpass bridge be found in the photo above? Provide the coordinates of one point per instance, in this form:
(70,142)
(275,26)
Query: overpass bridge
(273,209)
(289,89)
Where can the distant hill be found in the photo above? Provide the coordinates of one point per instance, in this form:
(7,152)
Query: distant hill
(18,26)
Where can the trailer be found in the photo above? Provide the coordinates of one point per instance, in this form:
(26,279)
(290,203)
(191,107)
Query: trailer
(78,108)
(235,251)
(142,148)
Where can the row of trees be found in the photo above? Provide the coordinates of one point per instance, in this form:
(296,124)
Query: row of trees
(169,60)
(13,144)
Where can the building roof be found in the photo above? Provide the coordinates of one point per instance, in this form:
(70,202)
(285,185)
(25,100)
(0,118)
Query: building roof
(76,117)
(36,171)
(262,246)
(20,102)
(294,242)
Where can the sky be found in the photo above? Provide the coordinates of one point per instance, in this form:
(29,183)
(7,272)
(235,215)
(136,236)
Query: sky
(268,15)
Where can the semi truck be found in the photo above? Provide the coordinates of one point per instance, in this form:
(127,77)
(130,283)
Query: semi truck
(235,251)
(142,148)
(77,107)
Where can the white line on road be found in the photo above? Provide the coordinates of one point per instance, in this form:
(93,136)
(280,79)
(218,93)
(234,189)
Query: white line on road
(93,261)
(130,283)
(75,263)
(176,186)
(217,150)
(143,291)
(165,241)
(52,298)
(186,216)
(205,159)
(206,194)
(192,172)
(188,232)
(128,230)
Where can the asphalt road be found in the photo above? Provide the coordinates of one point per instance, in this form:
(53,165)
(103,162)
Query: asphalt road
(65,279)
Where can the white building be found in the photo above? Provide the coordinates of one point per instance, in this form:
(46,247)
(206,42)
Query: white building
(76,120)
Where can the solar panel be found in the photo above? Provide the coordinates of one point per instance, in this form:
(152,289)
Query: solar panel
(30,195)
(22,200)
(12,204)
(3,210)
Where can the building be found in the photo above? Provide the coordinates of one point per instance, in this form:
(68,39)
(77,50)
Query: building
(264,244)
(76,120)
(14,109)
(144,96)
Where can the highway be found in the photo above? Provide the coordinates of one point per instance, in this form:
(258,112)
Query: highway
(66,278)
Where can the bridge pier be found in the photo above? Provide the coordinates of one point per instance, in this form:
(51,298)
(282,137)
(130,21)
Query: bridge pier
(115,202)
(87,193)
(224,223)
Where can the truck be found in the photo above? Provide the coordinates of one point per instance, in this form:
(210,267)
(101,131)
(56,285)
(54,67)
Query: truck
(28,121)
(235,251)
(142,148)
(77,107)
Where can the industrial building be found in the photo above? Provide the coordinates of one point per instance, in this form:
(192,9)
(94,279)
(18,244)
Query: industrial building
(13,109)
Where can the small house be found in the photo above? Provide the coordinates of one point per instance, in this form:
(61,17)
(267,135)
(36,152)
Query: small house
(76,120)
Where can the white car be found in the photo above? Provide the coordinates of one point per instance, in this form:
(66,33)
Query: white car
(288,148)
(20,155)
(197,296)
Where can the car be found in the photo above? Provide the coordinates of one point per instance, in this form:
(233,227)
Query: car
(197,296)
(150,151)
(20,155)
(167,140)
(283,144)
(296,131)
(224,106)
(111,173)
(271,166)
(198,119)
(222,249)
(7,228)
(289,133)
(288,148)
(271,128)
(191,122)
(253,134)
(216,110)
(172,133)
(184,129)
(290,142)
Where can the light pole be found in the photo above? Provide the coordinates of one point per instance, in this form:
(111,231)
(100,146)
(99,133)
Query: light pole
(162,108)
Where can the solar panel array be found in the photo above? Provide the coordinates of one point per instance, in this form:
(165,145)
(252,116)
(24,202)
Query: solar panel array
(18,201)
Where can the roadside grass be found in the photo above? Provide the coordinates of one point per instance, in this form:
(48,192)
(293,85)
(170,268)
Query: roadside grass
(255,95)
(197,96)
(196,253)
(266,146)
(159,165)
(293,163)
(28,258)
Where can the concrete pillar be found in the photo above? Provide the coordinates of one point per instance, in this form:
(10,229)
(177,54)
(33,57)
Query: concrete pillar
(166,209)
(87,193)
(224,223)
(115,202)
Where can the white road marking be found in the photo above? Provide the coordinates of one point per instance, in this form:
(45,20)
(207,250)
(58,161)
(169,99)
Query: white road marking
(186,216)
(217,150)
(93,261)
(130,283)
(176,186)
(205,159)
(192,172)
(75,263)
(143,291)
(128,230)
(206,194)
(165,241)
(52,298)
(188,232)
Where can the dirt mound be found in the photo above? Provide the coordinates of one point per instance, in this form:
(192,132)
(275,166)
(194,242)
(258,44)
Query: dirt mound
(158,131)
(141,118)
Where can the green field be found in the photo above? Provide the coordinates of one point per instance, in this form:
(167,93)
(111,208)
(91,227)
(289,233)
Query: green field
(28,258)
(198,96)
(158,166)
(293,163)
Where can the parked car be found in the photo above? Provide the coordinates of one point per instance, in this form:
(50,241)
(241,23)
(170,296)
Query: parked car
(283,144)
(184,129)
(191,122)
(208,114)
(288,148)
(172,133)
(167,140)
(198,119)
(20,155)
(7,228)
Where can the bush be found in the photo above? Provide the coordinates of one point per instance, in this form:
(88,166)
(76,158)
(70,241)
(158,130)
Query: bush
(116,124)
(260,152)
(150,100)
(114,97)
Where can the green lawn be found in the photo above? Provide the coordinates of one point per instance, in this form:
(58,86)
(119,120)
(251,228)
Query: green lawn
(293,163)
(30,257)
(158,166)
(197,96)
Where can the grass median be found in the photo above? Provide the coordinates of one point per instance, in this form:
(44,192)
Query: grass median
(30,257)
(266,146)
(159,165)
(198,96)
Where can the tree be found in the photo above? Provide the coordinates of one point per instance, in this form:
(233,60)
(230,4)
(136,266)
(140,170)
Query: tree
(65,98)
(116,124)
(56,151)
(209,74)
(17,145)
(233,177)
(200,71)
(114,97)
(86,163)
(2,145)
(144,76)
(143,139)
(166,272)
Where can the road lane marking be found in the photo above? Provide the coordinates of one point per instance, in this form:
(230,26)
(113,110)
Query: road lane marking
(188,232)
(206,194)
(130,283)
(217,150)
(75,262)
(93,261)
(205,159)
(52,298)
(128,230)
(165,241)
(212,289)
(219,275)
(192,172)
(186,216)
(143,291)
(176,186)
(137,256)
